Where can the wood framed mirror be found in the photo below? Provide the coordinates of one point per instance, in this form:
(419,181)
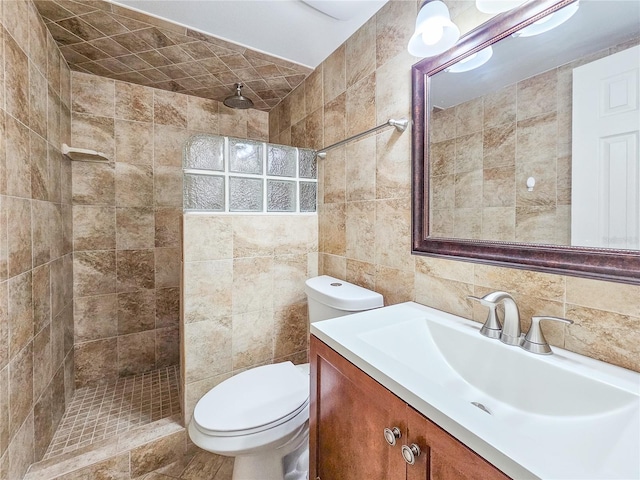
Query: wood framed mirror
(480,137)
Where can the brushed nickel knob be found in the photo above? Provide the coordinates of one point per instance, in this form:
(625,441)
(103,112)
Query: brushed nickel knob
(391,435)
(410,453)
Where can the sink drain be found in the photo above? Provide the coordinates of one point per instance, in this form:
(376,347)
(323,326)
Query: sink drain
(481,407)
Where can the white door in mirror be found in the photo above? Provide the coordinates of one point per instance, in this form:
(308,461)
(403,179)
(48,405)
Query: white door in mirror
(605,199)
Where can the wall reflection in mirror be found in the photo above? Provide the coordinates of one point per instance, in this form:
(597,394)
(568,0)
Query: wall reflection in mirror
(553,107)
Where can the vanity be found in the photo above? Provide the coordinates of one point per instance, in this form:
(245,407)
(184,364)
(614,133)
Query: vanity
(411,392)
(363,430)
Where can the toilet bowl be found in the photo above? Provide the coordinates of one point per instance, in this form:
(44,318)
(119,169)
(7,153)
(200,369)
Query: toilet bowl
(261,416)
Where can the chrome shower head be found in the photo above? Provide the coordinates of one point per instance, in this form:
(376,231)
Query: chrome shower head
(238,100)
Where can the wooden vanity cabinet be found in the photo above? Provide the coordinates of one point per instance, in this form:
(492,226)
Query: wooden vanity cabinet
(348,414)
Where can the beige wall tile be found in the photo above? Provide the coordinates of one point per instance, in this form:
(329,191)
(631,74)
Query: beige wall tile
(92,95)
(209,351)
(169,108)
(607,296)
(252,341)
(134,142)
(360,53)
(94,227)
(252,284)
(96,361)
(360,184)
(252,236)
(135,270)
(94,133)
(361,110)
(334,79)
(207,237)
(614,341)
(136,353)
(95,317)
(133,102)
(207,289)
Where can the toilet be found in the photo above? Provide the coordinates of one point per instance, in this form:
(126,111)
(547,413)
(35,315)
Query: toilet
(261,416)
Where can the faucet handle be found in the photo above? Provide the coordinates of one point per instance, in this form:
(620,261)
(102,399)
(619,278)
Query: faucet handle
(534,341)
(492,327)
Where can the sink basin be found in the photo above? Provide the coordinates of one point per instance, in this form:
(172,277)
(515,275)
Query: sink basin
(557,416)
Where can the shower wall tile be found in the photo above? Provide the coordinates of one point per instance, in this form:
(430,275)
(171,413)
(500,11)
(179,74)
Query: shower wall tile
(93,184)
(133,102)
(96,361)
(127,219)
(167,308)
(93,133)
(95,317)
(94,227)
(134,141)
(135,270)
(20,291)
(134,185)
(136,312)
(94,272)
(135,228)
(170,109)
(93,95)
(136,353)
(167,227)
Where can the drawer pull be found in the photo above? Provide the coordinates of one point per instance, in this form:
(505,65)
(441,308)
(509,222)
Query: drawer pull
(410,453)
(391,435)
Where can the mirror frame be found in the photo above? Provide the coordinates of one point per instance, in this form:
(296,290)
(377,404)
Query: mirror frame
(604,264)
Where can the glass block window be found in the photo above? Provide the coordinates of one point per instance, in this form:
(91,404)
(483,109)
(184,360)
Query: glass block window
(204,192)
(308,164)
(245,194)
(281,161)
(281,196)
(245,156)
(233,175)
(308,196)
(205,152)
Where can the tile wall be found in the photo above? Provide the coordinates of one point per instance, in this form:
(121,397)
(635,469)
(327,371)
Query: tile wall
(126,217)
(36,277)
(244,303)
(365,198)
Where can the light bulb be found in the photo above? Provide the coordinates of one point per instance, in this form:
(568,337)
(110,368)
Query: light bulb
(433,34)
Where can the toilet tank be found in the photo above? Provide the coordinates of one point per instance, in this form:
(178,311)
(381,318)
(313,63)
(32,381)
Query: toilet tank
(330,297)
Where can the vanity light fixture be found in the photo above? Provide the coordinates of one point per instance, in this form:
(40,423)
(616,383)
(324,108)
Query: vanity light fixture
(549,22)
(435,32)
(497,6)
(472,61)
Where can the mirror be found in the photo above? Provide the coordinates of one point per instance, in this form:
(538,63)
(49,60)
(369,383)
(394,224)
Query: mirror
(531,159)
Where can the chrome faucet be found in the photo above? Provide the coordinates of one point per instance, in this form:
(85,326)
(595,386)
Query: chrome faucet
(510,332)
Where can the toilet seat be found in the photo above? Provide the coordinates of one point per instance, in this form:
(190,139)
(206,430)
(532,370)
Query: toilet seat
(253,401)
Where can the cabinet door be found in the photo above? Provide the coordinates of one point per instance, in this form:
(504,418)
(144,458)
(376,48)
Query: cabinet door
(348,413)
(443,457)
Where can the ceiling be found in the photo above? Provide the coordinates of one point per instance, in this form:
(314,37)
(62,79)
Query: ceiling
(296,30)
(115,41)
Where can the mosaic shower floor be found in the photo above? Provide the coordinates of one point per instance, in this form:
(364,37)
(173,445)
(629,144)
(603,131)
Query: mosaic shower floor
(105,411)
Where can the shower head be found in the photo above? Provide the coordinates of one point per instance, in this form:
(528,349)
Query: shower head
(237,100)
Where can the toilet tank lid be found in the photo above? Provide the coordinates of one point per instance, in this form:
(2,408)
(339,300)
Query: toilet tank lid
(342,295)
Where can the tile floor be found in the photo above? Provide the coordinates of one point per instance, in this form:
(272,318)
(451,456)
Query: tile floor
(104,411)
